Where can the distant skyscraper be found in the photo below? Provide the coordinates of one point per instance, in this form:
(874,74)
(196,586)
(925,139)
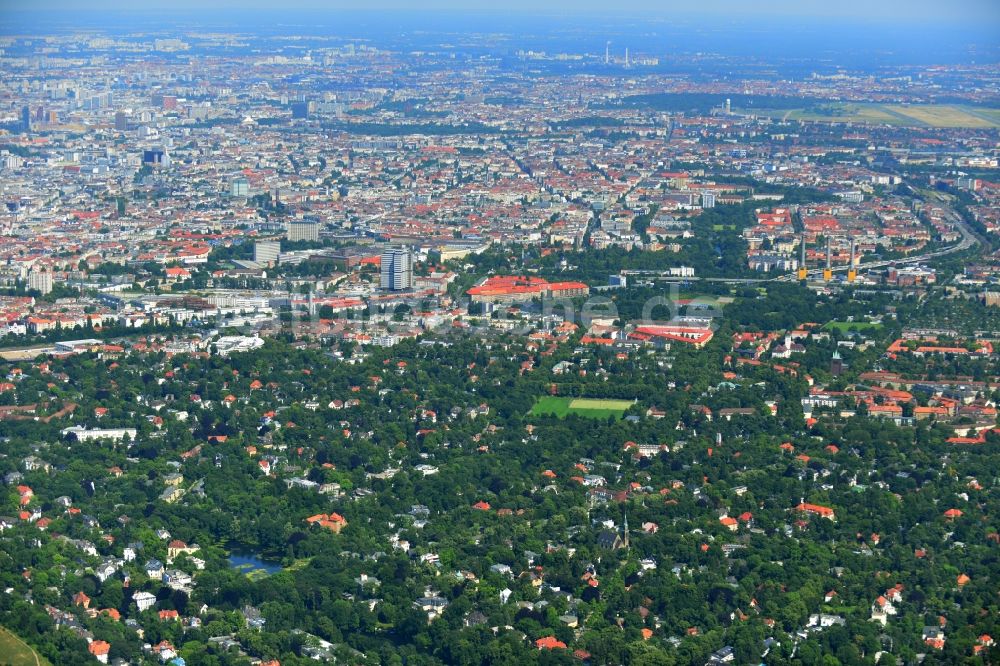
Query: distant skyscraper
(397,269)
(121,121)
(26,118)
(729,105)
(155,158)
(300,110)
(240,187)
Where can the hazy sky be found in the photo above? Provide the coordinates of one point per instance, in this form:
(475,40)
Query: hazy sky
(949,11)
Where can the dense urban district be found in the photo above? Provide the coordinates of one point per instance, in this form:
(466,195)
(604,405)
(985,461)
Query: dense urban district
(320,350)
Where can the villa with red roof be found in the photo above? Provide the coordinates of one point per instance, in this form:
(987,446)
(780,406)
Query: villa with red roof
(100,650)
(549,643)
(816,509)
(332,521)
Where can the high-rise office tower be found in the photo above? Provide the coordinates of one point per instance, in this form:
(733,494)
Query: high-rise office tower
(239,187)
(26,118)
(397,269)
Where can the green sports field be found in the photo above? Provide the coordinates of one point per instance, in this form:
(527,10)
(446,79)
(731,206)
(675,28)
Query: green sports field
(844,326)
(595,408)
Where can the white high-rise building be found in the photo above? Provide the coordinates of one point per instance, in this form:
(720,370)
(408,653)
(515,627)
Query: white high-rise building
(397,269)
(41,281)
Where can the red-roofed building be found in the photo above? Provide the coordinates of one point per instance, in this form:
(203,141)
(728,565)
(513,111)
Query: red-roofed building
(549,643)
(333,522)
(816,509)
(513,289)
(697,337)
(100,650)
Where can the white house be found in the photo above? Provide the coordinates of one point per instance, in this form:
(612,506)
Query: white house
(144,600)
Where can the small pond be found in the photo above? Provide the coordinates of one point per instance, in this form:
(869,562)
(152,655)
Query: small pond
(250,562)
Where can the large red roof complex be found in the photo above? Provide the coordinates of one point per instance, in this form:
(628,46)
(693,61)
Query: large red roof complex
(698,337)
(513,288)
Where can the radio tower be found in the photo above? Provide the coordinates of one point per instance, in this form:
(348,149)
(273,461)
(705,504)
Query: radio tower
(607,53)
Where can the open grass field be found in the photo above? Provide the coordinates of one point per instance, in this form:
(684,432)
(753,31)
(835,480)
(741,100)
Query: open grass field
(847,325)
(943,115)
(990,114)
(857,113)
(16,652)
(589,407)
(912,115)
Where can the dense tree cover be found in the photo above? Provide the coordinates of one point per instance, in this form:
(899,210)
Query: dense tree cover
(420,404)
(786,305)
(790,194)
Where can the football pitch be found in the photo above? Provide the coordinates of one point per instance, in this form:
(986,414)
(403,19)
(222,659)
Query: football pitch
(597,408)
(844,326)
